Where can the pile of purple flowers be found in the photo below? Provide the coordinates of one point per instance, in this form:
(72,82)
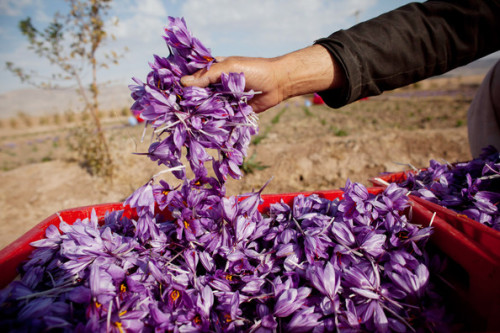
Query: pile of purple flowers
(469,188)
(216,263)
(197,119)
(194,259)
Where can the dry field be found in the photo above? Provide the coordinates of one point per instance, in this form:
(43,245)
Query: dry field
(301,148)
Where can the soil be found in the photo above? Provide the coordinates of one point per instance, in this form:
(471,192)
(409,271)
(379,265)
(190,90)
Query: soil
(302,148)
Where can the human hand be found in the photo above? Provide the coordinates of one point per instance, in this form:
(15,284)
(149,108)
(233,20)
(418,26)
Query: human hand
(259,74)
(309,70)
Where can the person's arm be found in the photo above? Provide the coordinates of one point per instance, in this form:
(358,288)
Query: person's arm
(301,72)
(411,43)
(398,48)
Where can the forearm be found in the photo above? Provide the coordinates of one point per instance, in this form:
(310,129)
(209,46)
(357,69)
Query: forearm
(308,70)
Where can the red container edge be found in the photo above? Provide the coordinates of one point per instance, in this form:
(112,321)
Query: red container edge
(484,236)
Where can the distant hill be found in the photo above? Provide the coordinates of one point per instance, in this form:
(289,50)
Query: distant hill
(37,102)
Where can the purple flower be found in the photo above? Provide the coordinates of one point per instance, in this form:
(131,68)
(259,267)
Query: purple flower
(205,301)
(253,285)
(142,200)
(177,34)
(267,319)
(234,83)
(373,316)
(462,187)
(102,288)
(228,312)
(200,57)
(326,280)
(164,194)
(304,320)
(316,245)
(372,242)
(412,282)
(290,301)
(342,233)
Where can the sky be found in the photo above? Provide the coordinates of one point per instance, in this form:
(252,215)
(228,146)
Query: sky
(265,28)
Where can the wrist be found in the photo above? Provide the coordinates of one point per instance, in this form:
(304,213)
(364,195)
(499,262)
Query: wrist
(308,70)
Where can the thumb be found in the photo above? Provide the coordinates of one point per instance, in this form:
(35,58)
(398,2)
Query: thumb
(201,81)
(204,77)
(201,78)
(188,80)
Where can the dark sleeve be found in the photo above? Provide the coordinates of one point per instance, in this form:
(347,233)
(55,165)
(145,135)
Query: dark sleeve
(411,43)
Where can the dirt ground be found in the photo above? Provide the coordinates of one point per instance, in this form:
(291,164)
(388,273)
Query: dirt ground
(301,148)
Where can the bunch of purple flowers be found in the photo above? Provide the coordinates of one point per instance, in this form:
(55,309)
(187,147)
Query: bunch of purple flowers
(469,188)
(197,119)
(212,263)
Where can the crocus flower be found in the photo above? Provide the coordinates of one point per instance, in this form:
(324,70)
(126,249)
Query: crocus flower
(290,300)
(304,320)
(142,200)
(326,280)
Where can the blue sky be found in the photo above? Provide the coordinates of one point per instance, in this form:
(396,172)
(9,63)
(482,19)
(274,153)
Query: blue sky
(228,27)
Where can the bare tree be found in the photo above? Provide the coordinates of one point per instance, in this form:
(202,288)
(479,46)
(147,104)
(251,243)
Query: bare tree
(70,43)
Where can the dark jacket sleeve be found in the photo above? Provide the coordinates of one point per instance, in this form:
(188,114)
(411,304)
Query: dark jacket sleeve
(411,43)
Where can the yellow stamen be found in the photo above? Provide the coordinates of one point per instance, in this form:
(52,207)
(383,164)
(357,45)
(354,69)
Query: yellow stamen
(119,326)
(174,295)
(227,318)
(402,234)
(123,288)
(186,225)
(122,313)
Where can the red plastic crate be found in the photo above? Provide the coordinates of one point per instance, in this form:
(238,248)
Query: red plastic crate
(487,238)
(395,177)
(477,284)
